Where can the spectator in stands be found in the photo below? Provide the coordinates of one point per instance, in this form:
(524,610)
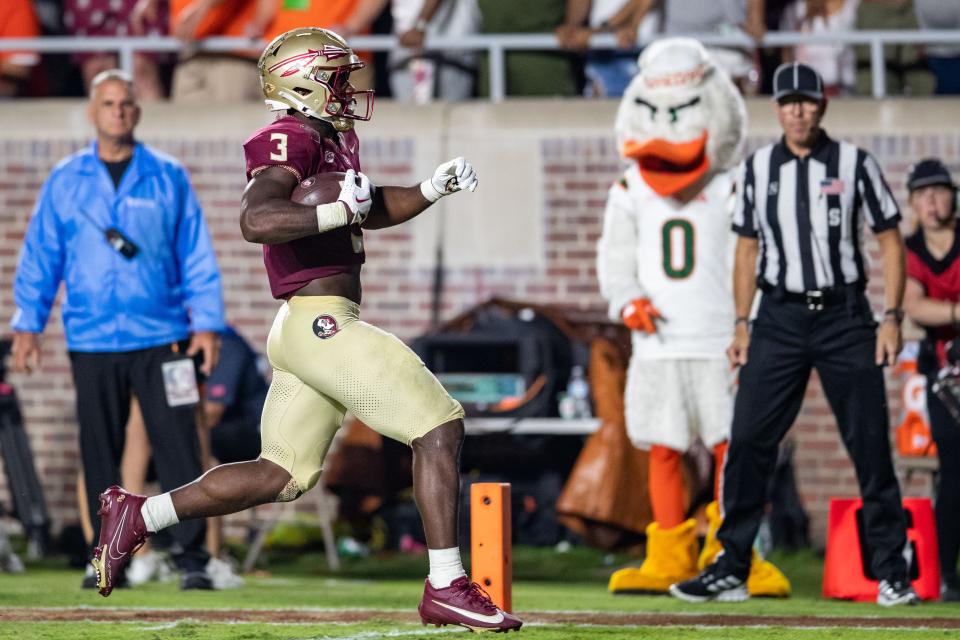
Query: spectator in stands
(213,76)
(726,17)
(531,73)
(836,63)
(906,68)
(112,18)
(420,76)
(944,59)
(609,72)
(17,20)
(930,299)
(119,223)
(769,58)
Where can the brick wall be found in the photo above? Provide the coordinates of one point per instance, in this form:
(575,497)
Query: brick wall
(577,164)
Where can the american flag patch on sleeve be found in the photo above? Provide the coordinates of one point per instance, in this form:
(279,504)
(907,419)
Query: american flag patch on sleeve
(831,186)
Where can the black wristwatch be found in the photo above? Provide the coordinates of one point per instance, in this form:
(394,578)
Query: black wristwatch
(893,314)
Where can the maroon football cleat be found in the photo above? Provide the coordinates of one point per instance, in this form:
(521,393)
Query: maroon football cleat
(466,604)
(122,532)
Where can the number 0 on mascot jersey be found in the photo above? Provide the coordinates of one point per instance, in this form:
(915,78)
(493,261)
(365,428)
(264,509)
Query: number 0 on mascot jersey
(664,262)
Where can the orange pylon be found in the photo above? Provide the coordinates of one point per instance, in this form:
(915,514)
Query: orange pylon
(491,555)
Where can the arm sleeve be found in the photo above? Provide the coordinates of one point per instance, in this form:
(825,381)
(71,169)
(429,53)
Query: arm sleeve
(290,149)
(40,266)
(879,205)
(203,294)
(617,252)
(744,211)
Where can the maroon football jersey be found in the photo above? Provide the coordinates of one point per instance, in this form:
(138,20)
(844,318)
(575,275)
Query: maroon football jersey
(940,280)
(294,146)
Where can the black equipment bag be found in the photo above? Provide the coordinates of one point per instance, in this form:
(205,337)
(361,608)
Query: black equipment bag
(26,493)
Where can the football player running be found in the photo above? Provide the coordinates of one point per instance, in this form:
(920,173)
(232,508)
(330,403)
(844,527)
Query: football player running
(326,361)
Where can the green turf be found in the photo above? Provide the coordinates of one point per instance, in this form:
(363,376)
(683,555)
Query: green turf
(188,630)
(544,581)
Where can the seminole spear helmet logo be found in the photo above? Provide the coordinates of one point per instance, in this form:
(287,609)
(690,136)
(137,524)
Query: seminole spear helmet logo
(294,64)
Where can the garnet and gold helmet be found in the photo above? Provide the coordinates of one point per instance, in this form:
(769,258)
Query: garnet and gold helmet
(308,70)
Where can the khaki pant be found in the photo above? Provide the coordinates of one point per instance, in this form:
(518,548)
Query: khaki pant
(216,79)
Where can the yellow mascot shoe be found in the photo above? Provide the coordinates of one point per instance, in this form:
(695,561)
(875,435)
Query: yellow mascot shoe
(765,579)
(671,557)
(711,546)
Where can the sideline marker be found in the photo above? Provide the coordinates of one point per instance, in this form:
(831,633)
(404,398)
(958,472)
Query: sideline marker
(491,560)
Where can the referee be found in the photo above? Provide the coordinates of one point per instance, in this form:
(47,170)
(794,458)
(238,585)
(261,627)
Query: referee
(801,204)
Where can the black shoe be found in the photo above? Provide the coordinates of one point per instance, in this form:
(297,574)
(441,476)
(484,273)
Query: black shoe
(896,591)
(89,581)
(713,583)
(950,590)
(196,580)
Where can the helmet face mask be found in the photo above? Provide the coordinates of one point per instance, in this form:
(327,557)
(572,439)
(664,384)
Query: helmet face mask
(344,100)
(308,70)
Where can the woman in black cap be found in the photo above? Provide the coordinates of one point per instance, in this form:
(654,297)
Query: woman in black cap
(931,300)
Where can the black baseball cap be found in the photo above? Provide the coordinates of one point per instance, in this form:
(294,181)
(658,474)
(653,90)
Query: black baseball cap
(796,78)
(927,172)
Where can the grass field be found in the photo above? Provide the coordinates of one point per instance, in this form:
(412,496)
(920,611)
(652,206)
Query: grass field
(561,595)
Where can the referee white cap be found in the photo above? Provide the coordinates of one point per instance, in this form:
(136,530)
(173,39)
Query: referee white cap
(796,78)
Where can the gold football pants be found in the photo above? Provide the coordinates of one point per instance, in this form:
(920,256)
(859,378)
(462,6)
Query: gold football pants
(326,361)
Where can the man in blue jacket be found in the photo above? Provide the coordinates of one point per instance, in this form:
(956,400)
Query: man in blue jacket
(119,223)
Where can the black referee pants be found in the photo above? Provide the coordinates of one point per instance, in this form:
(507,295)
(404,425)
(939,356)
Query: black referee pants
(946,433)
(788,340)
(104,383)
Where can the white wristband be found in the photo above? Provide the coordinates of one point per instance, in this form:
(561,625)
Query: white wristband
(429,191)
(331,216)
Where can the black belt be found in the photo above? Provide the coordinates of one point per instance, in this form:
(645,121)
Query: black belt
(814,300)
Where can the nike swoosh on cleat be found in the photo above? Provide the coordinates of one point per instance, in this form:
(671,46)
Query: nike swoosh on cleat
(479,617)
(359,200)
(116,535)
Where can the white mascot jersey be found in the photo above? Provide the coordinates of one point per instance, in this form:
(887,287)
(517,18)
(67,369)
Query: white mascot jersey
(681,123)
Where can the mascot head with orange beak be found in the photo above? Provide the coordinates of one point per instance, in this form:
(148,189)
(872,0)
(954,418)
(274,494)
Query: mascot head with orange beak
(681,118)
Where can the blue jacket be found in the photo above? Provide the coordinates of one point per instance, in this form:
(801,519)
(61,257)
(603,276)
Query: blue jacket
(170,288)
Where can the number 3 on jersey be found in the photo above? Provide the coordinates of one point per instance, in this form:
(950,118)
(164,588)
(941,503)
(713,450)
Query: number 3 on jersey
(281,140)
(678,257)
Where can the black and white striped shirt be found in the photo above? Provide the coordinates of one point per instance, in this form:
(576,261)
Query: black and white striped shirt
(809,213)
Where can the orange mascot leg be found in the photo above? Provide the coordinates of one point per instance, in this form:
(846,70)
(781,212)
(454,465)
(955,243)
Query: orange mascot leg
(666,486)
(719,456)
(671,540)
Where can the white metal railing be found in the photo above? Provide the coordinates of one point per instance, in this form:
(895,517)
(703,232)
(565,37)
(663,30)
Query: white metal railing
(496,45)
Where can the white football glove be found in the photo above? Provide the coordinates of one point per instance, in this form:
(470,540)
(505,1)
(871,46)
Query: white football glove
(357,198)
(449,177)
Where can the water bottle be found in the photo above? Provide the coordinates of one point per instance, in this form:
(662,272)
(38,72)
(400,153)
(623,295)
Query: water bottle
(579,389)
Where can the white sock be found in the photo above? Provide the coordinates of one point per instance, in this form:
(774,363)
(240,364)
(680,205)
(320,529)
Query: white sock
(158,512)
(445,567)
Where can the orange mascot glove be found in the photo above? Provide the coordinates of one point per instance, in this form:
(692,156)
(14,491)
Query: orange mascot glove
(640,315)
